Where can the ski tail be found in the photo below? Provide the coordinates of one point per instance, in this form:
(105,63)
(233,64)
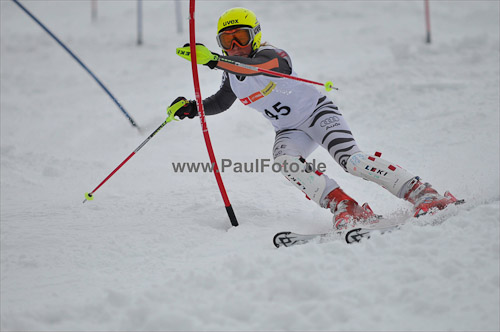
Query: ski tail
(288,239)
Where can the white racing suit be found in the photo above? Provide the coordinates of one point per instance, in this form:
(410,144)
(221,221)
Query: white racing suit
(303,118)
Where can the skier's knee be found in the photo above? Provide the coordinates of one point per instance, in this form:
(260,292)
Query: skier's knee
(375,169)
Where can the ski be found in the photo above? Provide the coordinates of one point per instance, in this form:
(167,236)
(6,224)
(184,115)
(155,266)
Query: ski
(288,239)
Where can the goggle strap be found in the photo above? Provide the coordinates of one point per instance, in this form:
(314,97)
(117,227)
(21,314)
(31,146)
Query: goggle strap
(256,30)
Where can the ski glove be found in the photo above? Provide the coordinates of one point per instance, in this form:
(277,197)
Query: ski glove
(203,55)
(189,109)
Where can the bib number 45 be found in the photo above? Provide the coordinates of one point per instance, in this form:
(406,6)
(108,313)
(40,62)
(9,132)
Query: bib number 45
(279,111)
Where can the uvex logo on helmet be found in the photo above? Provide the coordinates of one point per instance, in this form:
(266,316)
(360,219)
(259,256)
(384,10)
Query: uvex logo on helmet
(230,22)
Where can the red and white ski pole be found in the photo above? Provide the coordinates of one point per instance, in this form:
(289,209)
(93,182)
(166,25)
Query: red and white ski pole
(328,85)
(171,113)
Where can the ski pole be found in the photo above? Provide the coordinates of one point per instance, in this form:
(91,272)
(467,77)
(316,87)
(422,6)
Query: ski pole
(328,85)
(80,62)
(171,113)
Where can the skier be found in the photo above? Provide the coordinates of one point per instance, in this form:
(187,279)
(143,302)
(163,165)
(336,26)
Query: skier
(303,118)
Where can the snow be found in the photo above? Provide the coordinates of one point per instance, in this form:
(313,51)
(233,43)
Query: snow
(155,251)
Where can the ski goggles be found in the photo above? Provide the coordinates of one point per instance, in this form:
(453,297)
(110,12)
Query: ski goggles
(241,36)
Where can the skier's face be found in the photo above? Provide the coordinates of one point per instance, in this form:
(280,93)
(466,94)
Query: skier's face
(240,51)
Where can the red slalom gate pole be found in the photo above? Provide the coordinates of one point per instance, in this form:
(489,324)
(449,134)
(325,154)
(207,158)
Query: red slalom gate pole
(201,112)
(427,21)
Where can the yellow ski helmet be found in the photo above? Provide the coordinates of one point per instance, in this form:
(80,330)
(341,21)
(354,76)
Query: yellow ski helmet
(240,17)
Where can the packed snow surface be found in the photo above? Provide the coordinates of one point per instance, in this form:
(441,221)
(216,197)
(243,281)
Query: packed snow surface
(155,251)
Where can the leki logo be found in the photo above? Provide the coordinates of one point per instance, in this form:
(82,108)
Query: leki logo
(183,52)
(230,22)
(375,170)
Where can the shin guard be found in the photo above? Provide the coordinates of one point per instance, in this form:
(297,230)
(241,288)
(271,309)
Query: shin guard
(375,169)
(297,171)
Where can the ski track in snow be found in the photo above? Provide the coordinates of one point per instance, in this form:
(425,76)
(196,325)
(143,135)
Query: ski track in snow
(154,250)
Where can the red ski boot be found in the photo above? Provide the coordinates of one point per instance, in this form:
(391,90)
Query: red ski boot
(346,211)
(427,200)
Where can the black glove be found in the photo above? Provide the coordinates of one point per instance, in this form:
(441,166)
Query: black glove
(210,64)
(189,110)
